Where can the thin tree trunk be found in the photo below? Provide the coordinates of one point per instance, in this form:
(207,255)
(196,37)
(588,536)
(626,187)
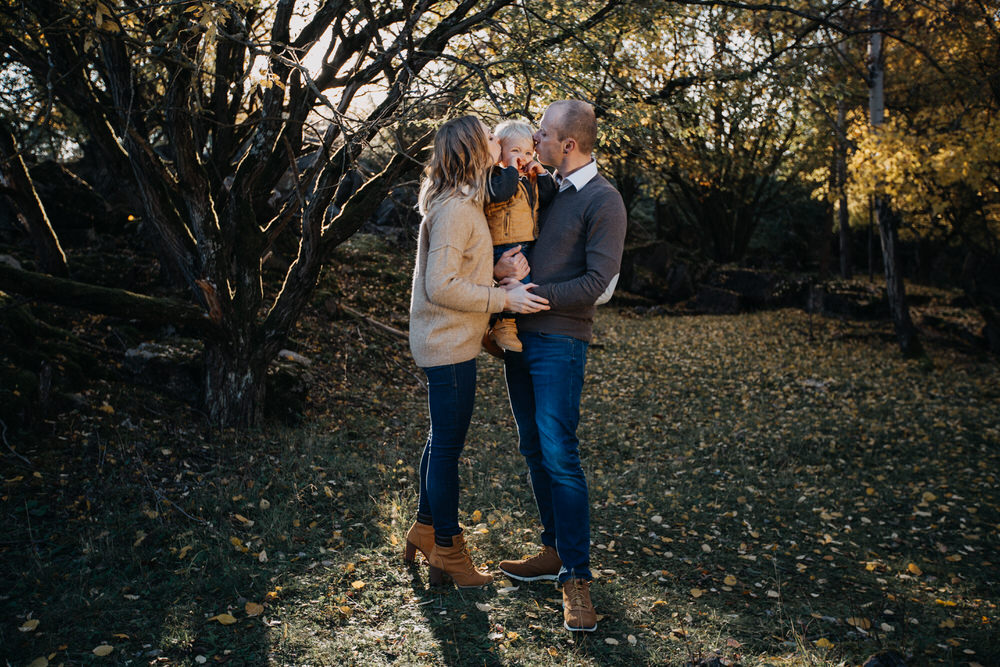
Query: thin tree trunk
(843,222)
(30,211)
(906,333)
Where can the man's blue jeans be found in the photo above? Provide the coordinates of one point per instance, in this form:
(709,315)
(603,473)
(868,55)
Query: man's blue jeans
(451,393)
(544,383)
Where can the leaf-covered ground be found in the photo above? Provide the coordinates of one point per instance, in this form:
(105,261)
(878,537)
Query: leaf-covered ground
(766,489)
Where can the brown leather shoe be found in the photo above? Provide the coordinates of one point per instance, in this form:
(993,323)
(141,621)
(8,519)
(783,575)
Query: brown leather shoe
(543,565)
(504,333)
(419,537)
(456,562)
(578,610)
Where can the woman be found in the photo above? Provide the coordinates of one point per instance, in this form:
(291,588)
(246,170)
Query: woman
(450,307)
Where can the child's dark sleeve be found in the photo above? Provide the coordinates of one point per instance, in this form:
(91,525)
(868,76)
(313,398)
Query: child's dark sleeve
(546,190)
(502,183)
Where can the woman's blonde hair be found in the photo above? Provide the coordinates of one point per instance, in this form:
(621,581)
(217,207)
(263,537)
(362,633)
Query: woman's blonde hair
(459,166)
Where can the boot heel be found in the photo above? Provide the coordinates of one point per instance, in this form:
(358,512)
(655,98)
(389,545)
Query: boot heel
(436,576)
(409,552)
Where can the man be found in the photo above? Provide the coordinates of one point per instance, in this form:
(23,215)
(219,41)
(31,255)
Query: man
(575,262)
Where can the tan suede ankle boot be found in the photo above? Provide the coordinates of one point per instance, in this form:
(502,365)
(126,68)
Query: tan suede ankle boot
(504,333)
(420,536)
(456,562)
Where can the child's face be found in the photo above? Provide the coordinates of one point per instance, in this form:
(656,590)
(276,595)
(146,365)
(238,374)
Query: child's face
(516,152)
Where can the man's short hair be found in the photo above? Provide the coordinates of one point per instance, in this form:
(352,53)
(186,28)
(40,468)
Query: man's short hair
(576,120)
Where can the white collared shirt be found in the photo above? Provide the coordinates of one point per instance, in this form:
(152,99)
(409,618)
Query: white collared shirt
(580,177)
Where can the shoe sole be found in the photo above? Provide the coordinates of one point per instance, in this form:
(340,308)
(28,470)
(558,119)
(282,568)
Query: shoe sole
(540,577)
(566,625)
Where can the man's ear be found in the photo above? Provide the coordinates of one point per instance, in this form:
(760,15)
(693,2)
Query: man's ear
(568,146)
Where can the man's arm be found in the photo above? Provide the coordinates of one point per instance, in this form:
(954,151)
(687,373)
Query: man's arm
(605,228)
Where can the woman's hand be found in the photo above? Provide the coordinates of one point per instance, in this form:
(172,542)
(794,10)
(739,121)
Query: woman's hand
(519,299)
(512,264)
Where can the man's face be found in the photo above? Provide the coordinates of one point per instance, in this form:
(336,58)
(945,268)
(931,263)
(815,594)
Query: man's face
(547,145)
(516,153)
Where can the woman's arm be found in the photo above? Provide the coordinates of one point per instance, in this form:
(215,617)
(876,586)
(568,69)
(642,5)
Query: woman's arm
(448,235)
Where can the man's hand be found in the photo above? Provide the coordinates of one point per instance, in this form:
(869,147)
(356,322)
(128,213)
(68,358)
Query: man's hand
(512,264)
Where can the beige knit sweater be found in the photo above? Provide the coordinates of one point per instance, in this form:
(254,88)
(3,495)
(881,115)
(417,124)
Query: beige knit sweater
(452,296)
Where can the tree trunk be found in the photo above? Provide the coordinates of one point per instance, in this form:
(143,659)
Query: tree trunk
(235,373)
(906,333)
(31,212)
(104,300)
(843,222)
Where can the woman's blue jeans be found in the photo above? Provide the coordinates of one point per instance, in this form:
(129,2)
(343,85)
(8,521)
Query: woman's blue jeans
(544,383)
(451,392)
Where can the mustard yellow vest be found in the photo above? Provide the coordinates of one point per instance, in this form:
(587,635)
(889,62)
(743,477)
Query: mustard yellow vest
(514,220)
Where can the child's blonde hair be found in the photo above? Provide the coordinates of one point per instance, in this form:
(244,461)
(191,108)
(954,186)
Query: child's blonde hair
(459,166)
(514,129)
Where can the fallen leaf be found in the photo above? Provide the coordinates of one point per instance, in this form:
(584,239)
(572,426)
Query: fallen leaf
(912,567)
(697,592)
(39,662)
(357,585)
(29,625)
(103,650)
(730,580)
(225,619)
(823,642)
(253,609)
(859,622)
(611,640)
(476,516)
(483,606)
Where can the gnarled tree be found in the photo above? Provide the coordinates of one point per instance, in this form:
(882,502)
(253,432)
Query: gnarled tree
(202,106)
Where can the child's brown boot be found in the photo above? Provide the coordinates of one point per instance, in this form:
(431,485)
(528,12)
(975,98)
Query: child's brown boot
(456,562)
(505,334)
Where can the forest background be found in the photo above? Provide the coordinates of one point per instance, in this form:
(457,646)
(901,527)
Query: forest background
(207,223)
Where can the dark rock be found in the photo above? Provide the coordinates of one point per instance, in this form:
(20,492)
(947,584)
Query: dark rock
(717,301)
(174,370)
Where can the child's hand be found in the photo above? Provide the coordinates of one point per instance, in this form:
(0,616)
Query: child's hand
(536,168)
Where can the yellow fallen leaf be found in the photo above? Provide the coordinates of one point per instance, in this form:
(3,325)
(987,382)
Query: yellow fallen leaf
(823,642)
(946,603)
(912,567)
(697,592)
(236,542)
(103,650)
(253,609)
(658,603)
(349,568)
(730,580)
(553,652)
(39,662)
(110,410)
(242,519)
(357,585)
(394,540)
(29,625)
(345,610)
(225,619)
(947,623)
(120,635)
(184,551)
(477,516)
(859,622)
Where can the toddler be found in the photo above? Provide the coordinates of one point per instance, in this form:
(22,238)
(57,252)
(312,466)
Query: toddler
(518,187)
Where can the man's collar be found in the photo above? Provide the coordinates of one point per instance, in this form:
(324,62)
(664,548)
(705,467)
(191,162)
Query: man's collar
(578,177)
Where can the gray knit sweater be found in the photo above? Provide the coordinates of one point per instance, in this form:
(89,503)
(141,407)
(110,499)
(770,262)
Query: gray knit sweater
(577,253)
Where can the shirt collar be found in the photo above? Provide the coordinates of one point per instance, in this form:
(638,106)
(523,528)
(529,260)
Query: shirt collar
(580,177)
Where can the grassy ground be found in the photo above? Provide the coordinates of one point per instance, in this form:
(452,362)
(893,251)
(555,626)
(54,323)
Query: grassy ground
(765,489)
